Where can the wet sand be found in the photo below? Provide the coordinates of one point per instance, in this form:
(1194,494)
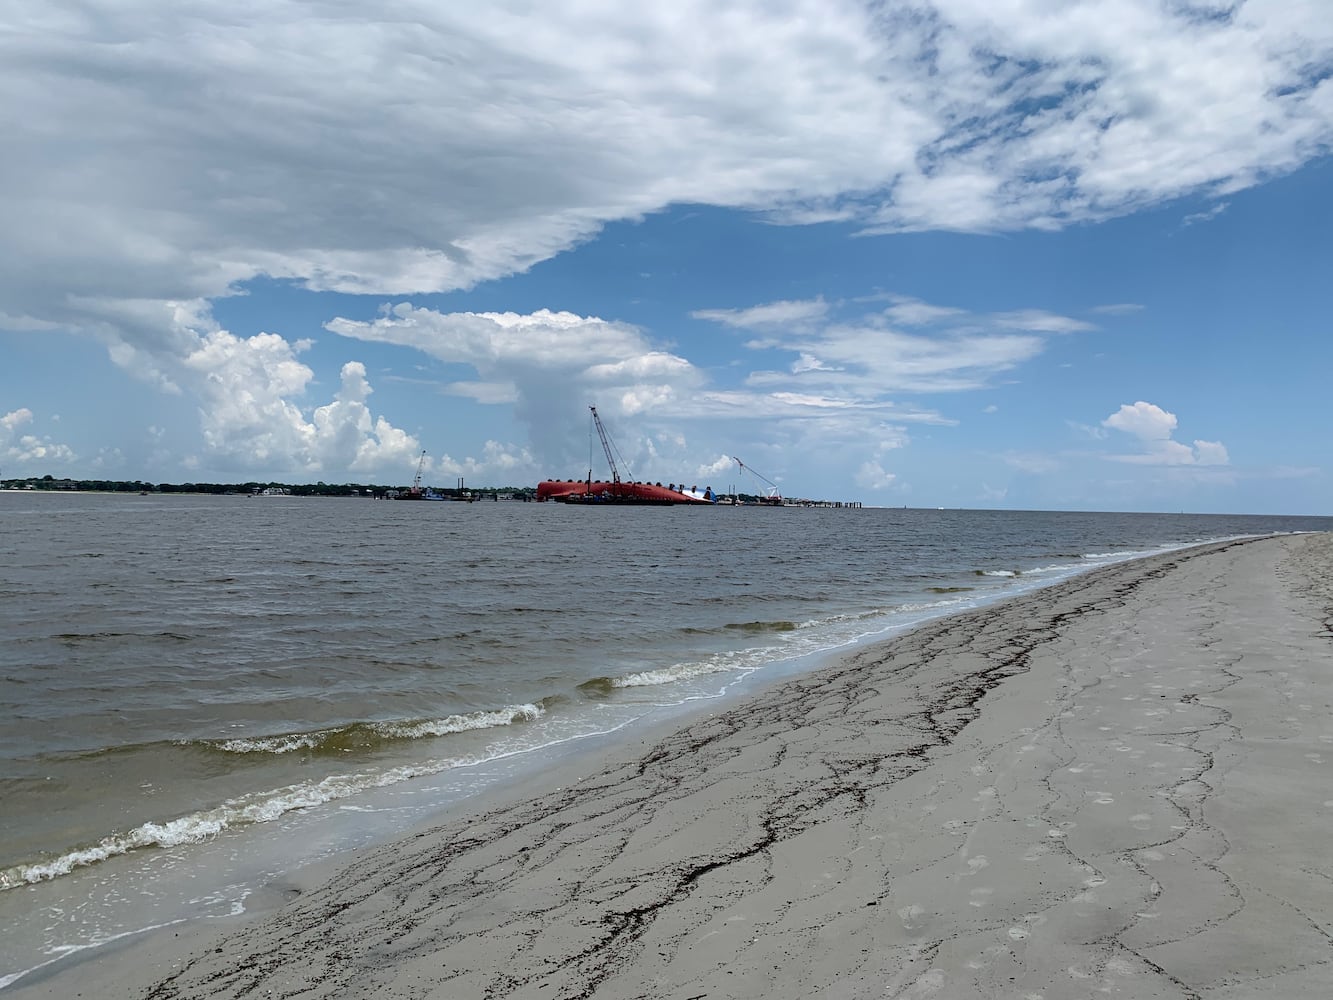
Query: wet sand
(1121,784)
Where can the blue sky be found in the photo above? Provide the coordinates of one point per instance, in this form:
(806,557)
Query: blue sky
(952,254)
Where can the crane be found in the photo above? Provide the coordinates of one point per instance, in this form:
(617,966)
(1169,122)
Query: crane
(416,483)
(609,448)
(772,495)
(606,447)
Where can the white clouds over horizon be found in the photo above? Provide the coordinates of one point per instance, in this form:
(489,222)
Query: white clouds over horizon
(162,158)
(1154,428)
(864,356)
(20,447)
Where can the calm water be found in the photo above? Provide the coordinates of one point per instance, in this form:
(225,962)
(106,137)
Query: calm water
(196,693)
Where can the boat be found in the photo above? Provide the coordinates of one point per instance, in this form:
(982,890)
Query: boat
(416,492)
(615,490)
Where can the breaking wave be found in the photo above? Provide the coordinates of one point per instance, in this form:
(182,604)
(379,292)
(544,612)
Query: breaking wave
(269,805)
(370,735)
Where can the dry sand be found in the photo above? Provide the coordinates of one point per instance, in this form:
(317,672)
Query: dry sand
(1117,785)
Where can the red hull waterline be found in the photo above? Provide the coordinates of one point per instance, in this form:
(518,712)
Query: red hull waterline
(599,491)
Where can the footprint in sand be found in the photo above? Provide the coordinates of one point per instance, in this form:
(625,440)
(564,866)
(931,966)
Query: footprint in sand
(911,916)
(1119,967)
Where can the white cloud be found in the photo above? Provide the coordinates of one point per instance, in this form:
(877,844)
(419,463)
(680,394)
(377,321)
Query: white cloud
(1211,453)
(431,147)
(14,419)
(1154,427)
(499,465)
(873,476)
(1040,321)
(913,312)
(1207,216)
(542,361)
(158,157)
(1143,420)
(790,315)
(861,359)
(26,448)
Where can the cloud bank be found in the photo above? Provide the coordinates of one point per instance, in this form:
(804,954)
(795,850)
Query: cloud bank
(159,157)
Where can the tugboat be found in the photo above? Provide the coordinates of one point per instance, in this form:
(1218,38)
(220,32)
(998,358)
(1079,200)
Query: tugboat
(600,491)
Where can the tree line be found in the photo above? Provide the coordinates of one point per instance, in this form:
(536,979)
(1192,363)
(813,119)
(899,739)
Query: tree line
(250,486)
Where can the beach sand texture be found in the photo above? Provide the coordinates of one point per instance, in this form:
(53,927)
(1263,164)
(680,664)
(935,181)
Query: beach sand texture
(1117,785)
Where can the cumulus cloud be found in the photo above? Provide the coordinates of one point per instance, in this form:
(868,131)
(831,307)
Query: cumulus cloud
(542,361)
(15,419)
(870,475)
(18,447)
(1143,420)
(1154,428)
(252,393)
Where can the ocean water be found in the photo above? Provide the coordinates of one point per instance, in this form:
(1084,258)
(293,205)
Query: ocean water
(198,694)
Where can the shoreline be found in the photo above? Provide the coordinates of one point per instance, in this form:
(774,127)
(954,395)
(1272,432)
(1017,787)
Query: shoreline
(876,823)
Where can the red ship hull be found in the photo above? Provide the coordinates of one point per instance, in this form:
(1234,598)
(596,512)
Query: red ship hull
(600,491)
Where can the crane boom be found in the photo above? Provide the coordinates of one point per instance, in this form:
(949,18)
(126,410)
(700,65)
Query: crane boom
(416,483)
(606,445)
(774,494)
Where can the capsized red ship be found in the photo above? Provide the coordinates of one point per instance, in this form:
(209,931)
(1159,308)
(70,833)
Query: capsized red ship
(601,491)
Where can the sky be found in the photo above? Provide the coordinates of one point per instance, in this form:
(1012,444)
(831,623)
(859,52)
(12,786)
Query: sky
(967,253)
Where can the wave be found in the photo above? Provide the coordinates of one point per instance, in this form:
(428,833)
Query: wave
(675,674)
(260,807)
(70,638)
(269,805)
(370,735)
(793,638)
(756,628)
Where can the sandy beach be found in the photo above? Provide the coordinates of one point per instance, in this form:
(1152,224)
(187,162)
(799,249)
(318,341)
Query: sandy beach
(1122,784)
